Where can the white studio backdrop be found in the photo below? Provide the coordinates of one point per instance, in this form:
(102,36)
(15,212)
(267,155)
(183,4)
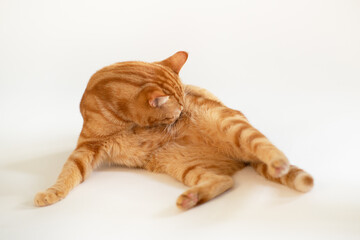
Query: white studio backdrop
(292,67)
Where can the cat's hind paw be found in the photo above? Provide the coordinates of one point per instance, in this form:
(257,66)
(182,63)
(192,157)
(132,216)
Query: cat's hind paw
(48,197)
(187,200)
(278,167)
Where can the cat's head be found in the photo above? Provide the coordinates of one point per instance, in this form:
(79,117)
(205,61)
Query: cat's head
(161,99)
(147,94)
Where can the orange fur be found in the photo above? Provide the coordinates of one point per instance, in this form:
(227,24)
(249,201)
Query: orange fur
(139,114)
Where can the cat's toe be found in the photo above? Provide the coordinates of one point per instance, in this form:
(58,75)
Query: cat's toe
(47,198)
(187,200)
(278,167)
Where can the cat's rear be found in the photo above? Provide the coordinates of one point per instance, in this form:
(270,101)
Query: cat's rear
(211,142)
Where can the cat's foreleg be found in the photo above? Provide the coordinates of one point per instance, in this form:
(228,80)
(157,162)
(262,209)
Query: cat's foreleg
(75,170)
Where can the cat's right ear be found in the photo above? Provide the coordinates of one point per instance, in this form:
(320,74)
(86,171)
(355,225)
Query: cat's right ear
(176,61)
(157,98)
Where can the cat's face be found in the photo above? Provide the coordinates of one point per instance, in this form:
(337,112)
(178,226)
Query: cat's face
(154,106)
(161,98)
(146,94)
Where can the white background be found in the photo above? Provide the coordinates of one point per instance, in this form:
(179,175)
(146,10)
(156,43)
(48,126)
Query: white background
(293,67)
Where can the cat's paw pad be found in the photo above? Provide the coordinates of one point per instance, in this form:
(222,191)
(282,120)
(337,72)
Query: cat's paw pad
(47,198)
(278,167)
(187,200)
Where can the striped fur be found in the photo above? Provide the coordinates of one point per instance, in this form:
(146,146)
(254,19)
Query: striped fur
(139,114)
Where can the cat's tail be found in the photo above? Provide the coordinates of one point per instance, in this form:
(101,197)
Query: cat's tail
(296,178)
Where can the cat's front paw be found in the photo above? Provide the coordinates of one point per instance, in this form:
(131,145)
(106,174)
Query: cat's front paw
(278,167)
(48,197)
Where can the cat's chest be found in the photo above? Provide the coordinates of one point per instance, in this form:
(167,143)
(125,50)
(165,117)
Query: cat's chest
(133,149)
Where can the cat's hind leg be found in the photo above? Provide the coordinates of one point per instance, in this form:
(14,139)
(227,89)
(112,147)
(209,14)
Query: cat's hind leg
(205,186)
(249,144)
(295,178)
(207,173)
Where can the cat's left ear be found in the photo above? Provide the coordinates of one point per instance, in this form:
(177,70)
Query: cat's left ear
(157,98)
(176,61)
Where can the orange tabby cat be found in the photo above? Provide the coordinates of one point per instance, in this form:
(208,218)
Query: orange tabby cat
(139,114)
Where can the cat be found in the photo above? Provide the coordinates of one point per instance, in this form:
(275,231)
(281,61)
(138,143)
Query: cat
(141,115)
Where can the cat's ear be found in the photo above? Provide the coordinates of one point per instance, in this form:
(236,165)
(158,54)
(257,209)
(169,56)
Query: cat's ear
(157,98)
(176,61)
